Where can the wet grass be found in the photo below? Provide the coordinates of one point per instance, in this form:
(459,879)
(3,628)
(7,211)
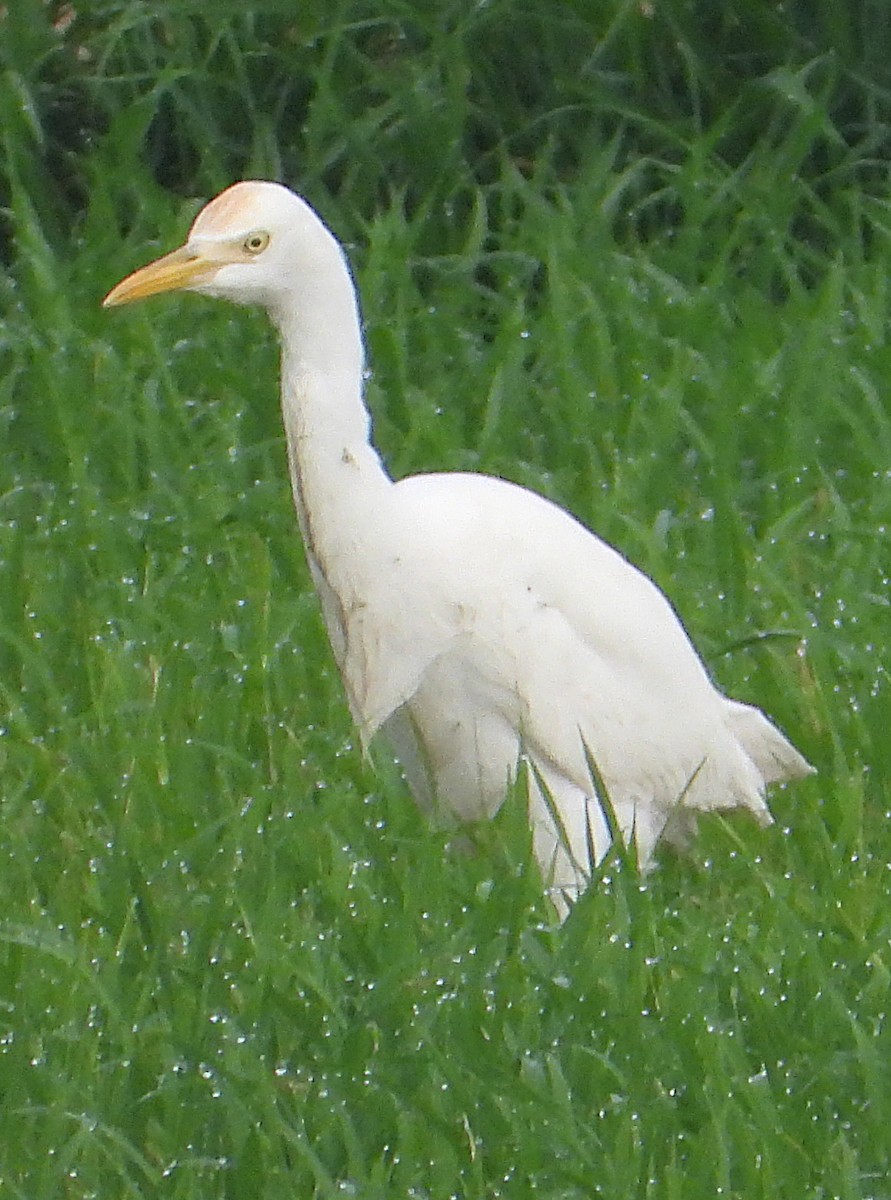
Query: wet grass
(236,962)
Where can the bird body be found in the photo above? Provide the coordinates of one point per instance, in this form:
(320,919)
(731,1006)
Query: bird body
(475,624)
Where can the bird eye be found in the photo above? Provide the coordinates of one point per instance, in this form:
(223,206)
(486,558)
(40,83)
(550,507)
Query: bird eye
(255,243)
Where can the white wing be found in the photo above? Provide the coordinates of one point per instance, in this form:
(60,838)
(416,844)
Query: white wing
(512,629)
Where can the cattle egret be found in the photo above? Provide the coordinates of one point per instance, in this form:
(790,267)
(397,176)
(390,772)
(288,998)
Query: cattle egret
(476,625)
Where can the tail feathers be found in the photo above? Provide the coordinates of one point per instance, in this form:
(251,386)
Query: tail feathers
(773,754)
(571,832)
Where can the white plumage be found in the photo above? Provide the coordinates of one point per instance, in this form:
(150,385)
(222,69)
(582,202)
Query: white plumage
(474,623)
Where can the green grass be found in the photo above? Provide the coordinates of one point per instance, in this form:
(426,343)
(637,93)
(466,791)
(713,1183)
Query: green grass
(235,961)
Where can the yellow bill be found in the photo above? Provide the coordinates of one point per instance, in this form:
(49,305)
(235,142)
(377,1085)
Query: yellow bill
(179,269)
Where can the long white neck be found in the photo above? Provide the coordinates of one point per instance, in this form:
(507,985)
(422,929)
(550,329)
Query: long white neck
(337,477)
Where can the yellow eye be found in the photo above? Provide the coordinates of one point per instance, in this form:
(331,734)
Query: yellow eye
(255,243)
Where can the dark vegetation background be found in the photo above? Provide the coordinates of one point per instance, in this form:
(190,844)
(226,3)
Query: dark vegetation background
(427,101)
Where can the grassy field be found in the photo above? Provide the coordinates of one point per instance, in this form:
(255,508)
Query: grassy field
(235,962)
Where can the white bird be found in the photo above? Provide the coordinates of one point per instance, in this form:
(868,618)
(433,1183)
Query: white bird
(475,624)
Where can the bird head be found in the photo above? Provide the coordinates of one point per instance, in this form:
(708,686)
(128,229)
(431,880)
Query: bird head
(248,245)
